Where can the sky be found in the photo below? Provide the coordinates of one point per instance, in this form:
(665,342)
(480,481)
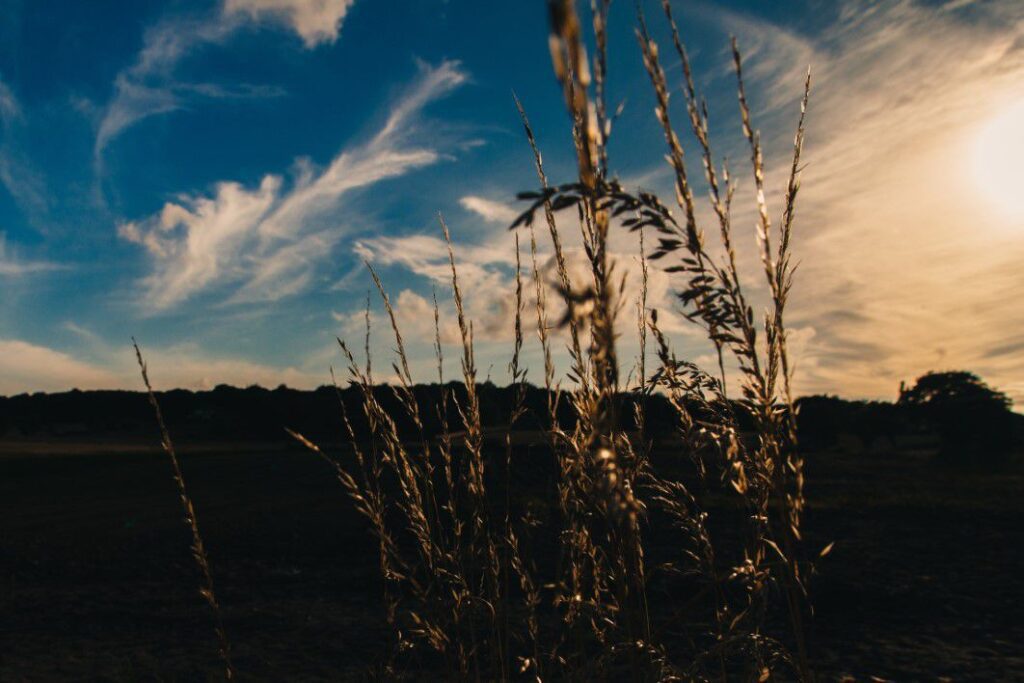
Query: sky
(212,177)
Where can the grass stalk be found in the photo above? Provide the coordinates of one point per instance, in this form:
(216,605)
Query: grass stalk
(188,509)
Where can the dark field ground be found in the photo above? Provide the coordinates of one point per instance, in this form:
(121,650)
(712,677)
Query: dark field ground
(96,581)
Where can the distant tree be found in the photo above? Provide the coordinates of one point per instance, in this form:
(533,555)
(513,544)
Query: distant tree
(973,420)
(957,387)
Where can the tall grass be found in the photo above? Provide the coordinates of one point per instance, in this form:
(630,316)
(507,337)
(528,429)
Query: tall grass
(478,585)
(189,512)
(465,581)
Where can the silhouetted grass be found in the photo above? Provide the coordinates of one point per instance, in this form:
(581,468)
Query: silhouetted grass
(475,585)
(198,549)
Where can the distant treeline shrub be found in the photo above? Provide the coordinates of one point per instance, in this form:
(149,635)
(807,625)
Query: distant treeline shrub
(971,423)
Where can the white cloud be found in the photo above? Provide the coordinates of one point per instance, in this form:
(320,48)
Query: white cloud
(135,100)
(489,210)
(16,172)
(484,277)
(191,367)
(12,266)
(132,103)
(27,367)
(316,21)
(770,51)
(148,87)
(9,107)
(393,151)
(487,279)
(414,314)
(427,256)
(267,241)
(200,239)
(288,270)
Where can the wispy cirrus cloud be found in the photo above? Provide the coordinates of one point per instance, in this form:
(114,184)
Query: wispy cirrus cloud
(16,172)
(9,107)
(263,243)
(148,87)
(905,265)
(11,265)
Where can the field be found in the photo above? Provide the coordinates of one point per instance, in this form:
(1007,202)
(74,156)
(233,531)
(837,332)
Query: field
(97,581)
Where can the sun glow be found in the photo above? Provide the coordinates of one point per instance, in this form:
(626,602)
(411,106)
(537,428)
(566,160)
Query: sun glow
(998,161)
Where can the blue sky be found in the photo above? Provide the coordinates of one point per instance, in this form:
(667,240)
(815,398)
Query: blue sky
(210,176)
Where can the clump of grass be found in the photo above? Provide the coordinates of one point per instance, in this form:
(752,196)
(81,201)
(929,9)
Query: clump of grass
(198,548)
(467,584)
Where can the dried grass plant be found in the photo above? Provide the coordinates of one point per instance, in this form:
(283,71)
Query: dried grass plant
(476,587)
(188,509)
(459,582)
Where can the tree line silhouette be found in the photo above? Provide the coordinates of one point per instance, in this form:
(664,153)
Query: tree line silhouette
(968,420)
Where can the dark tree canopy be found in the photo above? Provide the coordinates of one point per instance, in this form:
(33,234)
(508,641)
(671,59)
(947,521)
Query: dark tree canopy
(957,387)
(972,419)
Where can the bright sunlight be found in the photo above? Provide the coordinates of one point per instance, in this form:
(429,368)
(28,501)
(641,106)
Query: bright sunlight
(997,166)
